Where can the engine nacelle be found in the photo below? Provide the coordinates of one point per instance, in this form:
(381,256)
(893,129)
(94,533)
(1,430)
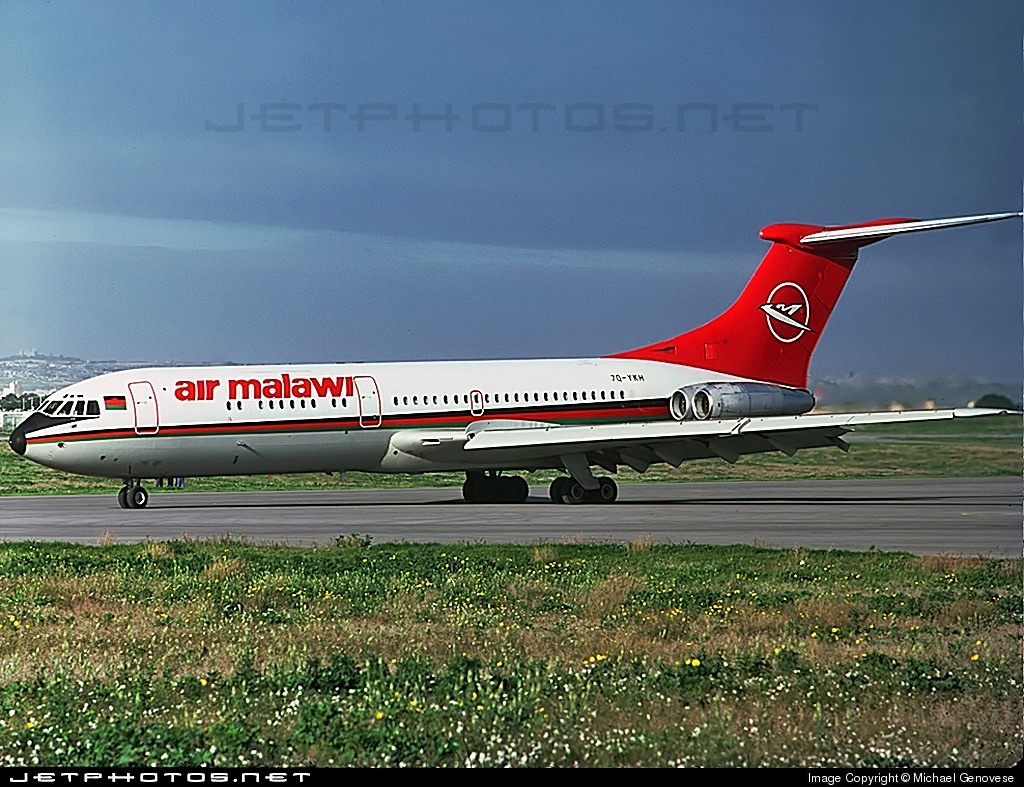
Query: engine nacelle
(737,400)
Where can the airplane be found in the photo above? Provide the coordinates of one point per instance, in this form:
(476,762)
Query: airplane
(734,386)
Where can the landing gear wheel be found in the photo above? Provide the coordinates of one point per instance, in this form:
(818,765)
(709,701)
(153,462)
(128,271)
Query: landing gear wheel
(471,488)
(122,497)
(558,489)
(608,491)
(518,489)
(575,493)
(138,497)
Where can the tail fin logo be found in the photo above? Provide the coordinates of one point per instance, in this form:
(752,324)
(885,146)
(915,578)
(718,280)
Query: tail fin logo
(788,312)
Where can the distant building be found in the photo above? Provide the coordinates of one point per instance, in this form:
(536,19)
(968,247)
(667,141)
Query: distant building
(13,388)
(12,419)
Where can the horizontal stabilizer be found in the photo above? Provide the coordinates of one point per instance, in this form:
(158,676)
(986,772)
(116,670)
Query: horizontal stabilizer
(879,231)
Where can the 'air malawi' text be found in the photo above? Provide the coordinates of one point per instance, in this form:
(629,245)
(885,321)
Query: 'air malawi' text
(283,387)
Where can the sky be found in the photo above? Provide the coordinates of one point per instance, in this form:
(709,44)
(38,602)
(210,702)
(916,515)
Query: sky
(361,181)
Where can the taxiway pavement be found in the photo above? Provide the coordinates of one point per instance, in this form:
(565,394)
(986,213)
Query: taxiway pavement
(965,517)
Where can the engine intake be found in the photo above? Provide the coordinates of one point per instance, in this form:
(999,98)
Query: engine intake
(679,404)
(736,400)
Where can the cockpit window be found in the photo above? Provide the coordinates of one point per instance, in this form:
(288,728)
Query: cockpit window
(75,408)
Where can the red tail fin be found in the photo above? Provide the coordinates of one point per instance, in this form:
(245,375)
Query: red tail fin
(771,330)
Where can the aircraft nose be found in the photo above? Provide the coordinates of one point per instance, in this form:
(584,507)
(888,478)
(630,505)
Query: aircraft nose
(19,437)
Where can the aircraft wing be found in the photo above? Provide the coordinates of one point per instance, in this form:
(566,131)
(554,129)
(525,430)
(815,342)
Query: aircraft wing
(640,445)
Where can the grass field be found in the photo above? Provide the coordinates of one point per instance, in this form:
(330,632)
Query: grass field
(230,654)
(549,655)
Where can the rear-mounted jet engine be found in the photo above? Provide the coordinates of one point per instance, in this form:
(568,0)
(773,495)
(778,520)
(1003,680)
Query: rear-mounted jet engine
(737,400)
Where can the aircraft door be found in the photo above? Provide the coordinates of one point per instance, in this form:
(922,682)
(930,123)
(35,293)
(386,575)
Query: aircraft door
(147,420)
(369,401)
(476,403)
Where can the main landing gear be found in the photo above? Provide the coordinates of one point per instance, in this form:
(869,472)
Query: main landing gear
(132,494)
(565,489)
(490,487)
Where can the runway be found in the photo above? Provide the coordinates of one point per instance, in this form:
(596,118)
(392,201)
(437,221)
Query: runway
(966,517)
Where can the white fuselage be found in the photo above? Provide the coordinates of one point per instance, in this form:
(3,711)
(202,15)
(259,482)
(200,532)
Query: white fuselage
(235,420)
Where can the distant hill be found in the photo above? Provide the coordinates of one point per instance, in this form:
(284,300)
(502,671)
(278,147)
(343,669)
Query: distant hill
(859,393)
(47,373)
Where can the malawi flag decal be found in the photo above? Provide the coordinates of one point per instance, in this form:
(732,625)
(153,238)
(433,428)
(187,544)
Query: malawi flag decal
(115,403)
